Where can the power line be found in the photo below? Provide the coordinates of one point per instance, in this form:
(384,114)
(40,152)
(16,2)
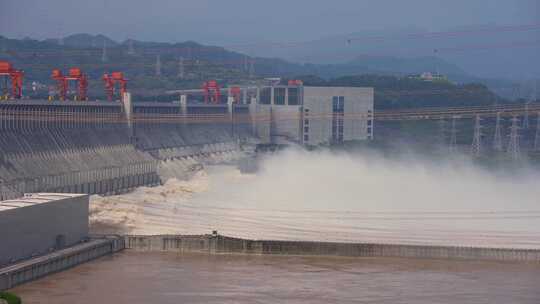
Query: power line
(420,35)
(388,115)
(446,34)
(508,45)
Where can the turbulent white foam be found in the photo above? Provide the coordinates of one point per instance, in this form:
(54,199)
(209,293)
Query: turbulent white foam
(301,195)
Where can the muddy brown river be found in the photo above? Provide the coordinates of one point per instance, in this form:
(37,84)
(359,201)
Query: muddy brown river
(169,278)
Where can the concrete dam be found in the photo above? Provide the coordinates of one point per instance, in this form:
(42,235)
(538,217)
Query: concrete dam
(106,147)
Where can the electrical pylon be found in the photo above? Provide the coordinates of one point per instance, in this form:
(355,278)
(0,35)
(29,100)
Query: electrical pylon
(513,145)
(497,139)
(476,147)
(131,50)
(442,130)
(252,68)
(181,68)
(526,117)
(453,136)
(104,51)
(537,136)
(158,65)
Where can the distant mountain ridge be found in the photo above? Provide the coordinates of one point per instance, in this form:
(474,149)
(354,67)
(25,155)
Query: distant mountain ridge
(200,62)
(486,51)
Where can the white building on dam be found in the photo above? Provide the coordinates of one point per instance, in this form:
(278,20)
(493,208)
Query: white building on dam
(312,116)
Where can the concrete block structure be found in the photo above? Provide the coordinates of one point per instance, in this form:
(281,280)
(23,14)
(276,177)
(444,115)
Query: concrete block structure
(313,115)
(39,223)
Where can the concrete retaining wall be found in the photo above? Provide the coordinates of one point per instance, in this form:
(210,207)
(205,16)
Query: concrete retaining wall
(60,260)
(222,244)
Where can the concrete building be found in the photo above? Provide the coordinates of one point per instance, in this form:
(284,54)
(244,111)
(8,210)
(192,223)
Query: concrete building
(312,115)
(38,223)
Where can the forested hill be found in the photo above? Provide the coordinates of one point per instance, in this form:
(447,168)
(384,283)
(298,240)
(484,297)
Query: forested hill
(393,92)
(188,64)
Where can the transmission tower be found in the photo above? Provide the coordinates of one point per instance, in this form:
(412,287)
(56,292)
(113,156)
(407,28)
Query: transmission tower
(104,51)
(442,130)
(158,65)
(526,117)
(453,136)
(181,68)
(513,144)
(252,68)
(476,147)
(537,136)
(535,91)
(131,50)
(497,139)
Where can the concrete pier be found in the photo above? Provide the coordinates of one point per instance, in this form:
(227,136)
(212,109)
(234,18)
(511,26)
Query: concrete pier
(38,267)
(217,244)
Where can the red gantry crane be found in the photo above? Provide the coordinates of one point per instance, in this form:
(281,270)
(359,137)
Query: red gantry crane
(236,93)
(62,83)
(212,91)
(110,80)
(16,77)
(295,82)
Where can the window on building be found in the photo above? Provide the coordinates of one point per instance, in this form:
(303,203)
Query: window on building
(279,96)
(306,122)
(338,107)
(306,137)
(369,122)
(306,129)
(293,96)
(265,97)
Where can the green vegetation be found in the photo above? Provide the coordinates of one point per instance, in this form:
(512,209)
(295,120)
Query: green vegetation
(392,92)
(200,63)
(10,298)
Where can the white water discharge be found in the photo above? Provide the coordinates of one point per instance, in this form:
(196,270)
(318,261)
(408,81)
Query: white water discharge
(326,196)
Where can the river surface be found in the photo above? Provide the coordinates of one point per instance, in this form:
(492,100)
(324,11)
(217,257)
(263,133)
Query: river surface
(170,278)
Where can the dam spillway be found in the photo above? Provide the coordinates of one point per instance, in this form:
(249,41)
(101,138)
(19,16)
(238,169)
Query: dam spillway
(98,148)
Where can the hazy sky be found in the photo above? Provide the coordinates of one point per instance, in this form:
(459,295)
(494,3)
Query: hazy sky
(239,21)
